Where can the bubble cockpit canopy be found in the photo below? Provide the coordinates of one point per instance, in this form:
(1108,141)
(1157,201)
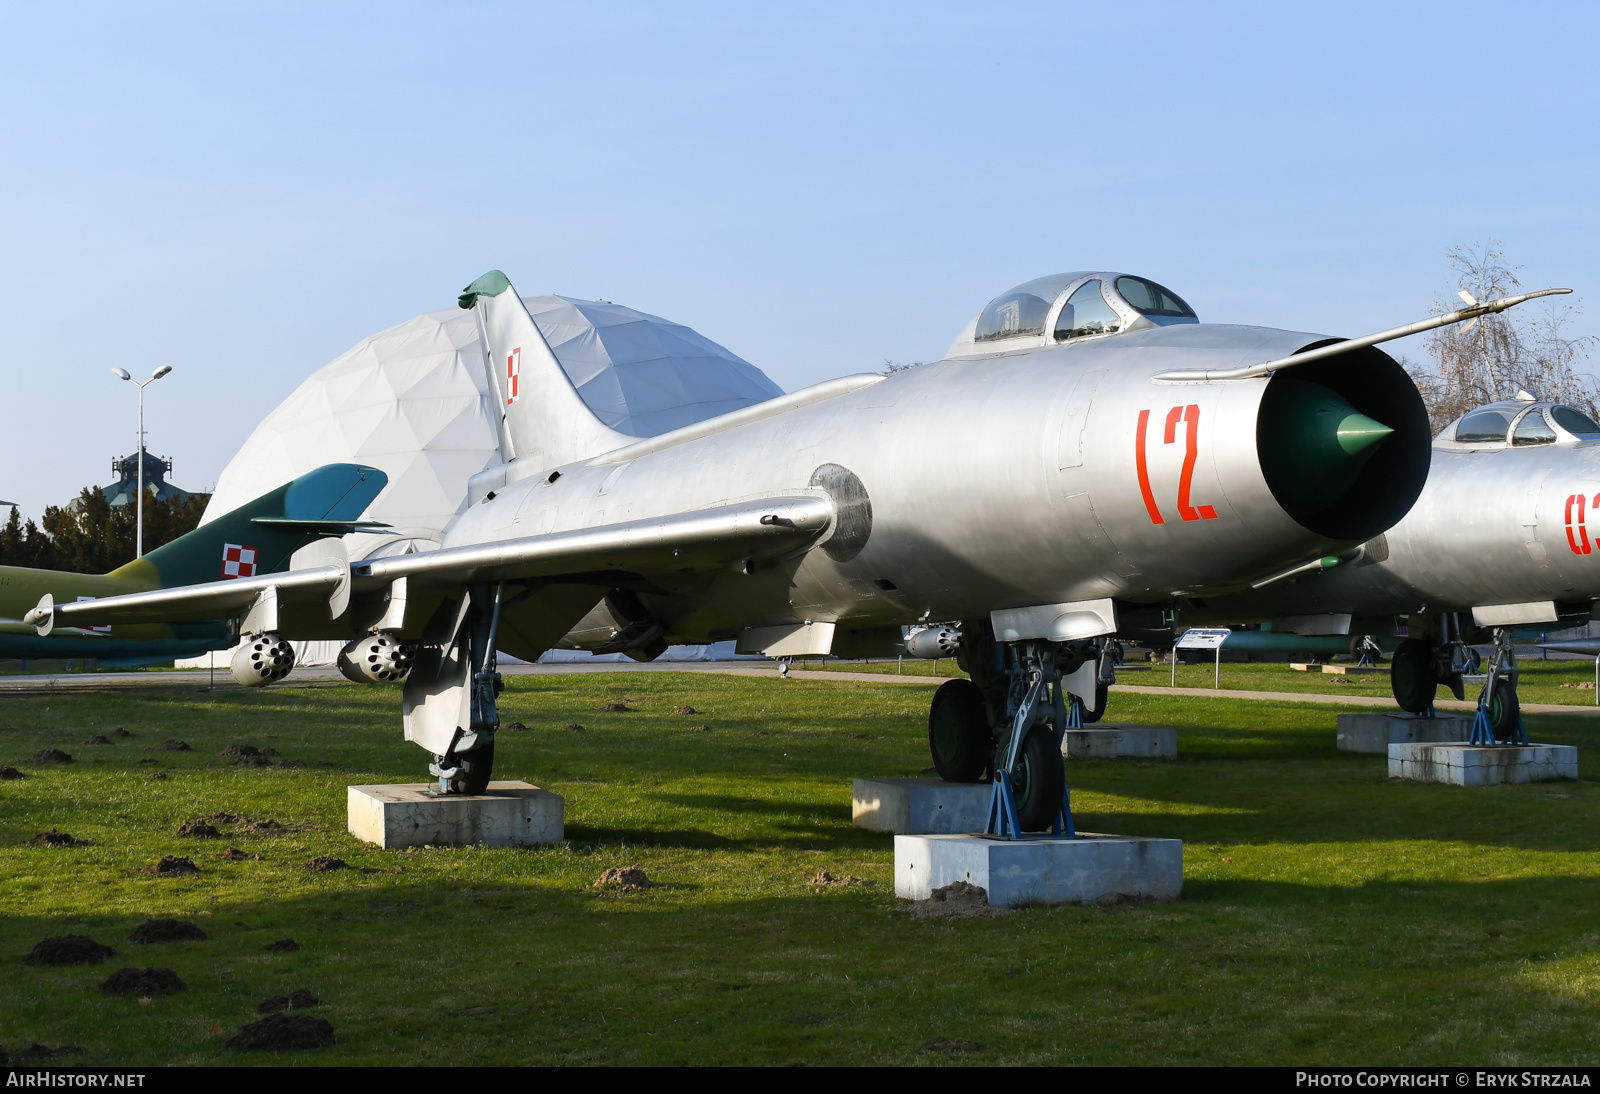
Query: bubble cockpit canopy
(1522,422)
(1065,307)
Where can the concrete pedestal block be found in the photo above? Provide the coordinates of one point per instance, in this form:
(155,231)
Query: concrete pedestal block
(909,806)
(1376,732)
(1111,740)
(1091,869)
(1469,765)
(508,814)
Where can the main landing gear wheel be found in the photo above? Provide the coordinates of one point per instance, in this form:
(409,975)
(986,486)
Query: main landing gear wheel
(958,732)
(475,768)
(1411,676)
(1101,691)
(1504,709)
(1039,780)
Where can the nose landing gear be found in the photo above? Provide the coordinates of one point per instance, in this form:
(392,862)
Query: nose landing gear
(1030,780)
(1498,720)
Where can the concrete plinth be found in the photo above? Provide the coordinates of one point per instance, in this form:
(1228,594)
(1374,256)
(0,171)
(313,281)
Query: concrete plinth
(909,806)
(1111,740)
(1469,765)
(1091,869)
(1376,732)
(508,814)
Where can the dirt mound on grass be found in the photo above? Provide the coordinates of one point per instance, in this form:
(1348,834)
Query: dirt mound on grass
(278,1032)
(952,1044)
(132,981)
(167,930)
(283,945)
(631,877)
(266,827)
(172,866)
(120,733)
(158,774)
(299,999)
(958,899)
(291,763)
(686,710)
(36,1051)
(233,854)
(172,744)
(574,727)
(617,708)
(68,949)
(54,838)
(50,756)
(516,725)
(239,752)
(97,739)
(198,829)
(10,773)
(323,864)
(825,878)
(252,761)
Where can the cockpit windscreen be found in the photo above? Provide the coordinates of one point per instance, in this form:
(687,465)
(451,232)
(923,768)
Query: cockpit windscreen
(1148,298)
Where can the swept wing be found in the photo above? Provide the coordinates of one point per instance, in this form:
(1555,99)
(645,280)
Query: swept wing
(696,541)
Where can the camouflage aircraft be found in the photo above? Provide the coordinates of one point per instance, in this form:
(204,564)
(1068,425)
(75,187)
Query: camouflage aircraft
(256,539)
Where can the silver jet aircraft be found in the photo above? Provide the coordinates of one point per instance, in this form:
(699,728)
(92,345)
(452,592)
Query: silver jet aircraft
(1502,536)
(1088,454)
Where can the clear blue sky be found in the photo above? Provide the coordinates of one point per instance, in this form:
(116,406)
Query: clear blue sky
(245,192)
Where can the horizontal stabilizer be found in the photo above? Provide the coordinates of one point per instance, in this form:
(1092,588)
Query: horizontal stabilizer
(324,527)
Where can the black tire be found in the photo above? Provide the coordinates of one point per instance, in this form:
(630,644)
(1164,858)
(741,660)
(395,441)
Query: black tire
(1101,692)
(958,732)
(476,767)
(1411,675)
(1039,781)
(1504,709)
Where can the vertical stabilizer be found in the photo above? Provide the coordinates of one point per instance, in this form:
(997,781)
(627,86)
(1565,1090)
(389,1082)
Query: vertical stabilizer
(543,419)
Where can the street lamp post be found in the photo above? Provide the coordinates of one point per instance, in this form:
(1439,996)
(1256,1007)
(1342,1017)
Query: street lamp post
(122,374)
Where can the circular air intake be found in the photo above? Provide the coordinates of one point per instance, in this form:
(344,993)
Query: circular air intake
(1344,443)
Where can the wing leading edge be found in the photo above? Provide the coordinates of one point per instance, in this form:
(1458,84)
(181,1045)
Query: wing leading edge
(696,541)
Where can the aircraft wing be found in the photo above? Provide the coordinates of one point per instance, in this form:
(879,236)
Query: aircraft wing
(697,541)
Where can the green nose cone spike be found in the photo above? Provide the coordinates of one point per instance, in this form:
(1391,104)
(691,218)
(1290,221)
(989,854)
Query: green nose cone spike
(1313,445)
(1357,433)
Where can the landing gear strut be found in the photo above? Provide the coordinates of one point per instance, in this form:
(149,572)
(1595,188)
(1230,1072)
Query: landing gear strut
(1498,720)
(466,767)
(1030,791)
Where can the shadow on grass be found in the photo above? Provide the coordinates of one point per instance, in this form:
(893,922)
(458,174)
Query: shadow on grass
(528,971)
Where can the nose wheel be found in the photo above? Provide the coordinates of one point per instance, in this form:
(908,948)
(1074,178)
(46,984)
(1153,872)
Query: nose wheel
(1498,720)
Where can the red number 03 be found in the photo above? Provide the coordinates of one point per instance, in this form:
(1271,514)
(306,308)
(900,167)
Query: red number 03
(1190,417)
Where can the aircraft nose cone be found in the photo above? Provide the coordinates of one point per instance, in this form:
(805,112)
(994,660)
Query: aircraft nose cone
(1357,433)
(1313,444)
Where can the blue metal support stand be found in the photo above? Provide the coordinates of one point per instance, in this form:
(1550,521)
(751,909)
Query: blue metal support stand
(1483,736)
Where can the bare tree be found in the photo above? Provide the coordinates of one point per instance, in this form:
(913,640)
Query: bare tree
(1502,354)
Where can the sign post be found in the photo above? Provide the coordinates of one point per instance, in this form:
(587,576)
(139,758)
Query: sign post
(1201,638)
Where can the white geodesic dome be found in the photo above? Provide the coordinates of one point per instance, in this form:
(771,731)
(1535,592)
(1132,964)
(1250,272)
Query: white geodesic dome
(412,401)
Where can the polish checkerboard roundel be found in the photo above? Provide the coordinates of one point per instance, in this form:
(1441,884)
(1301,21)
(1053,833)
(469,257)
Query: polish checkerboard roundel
(238,560)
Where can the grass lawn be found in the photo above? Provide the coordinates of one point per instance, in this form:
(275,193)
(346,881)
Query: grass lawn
(1328,915)
(1540,682)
